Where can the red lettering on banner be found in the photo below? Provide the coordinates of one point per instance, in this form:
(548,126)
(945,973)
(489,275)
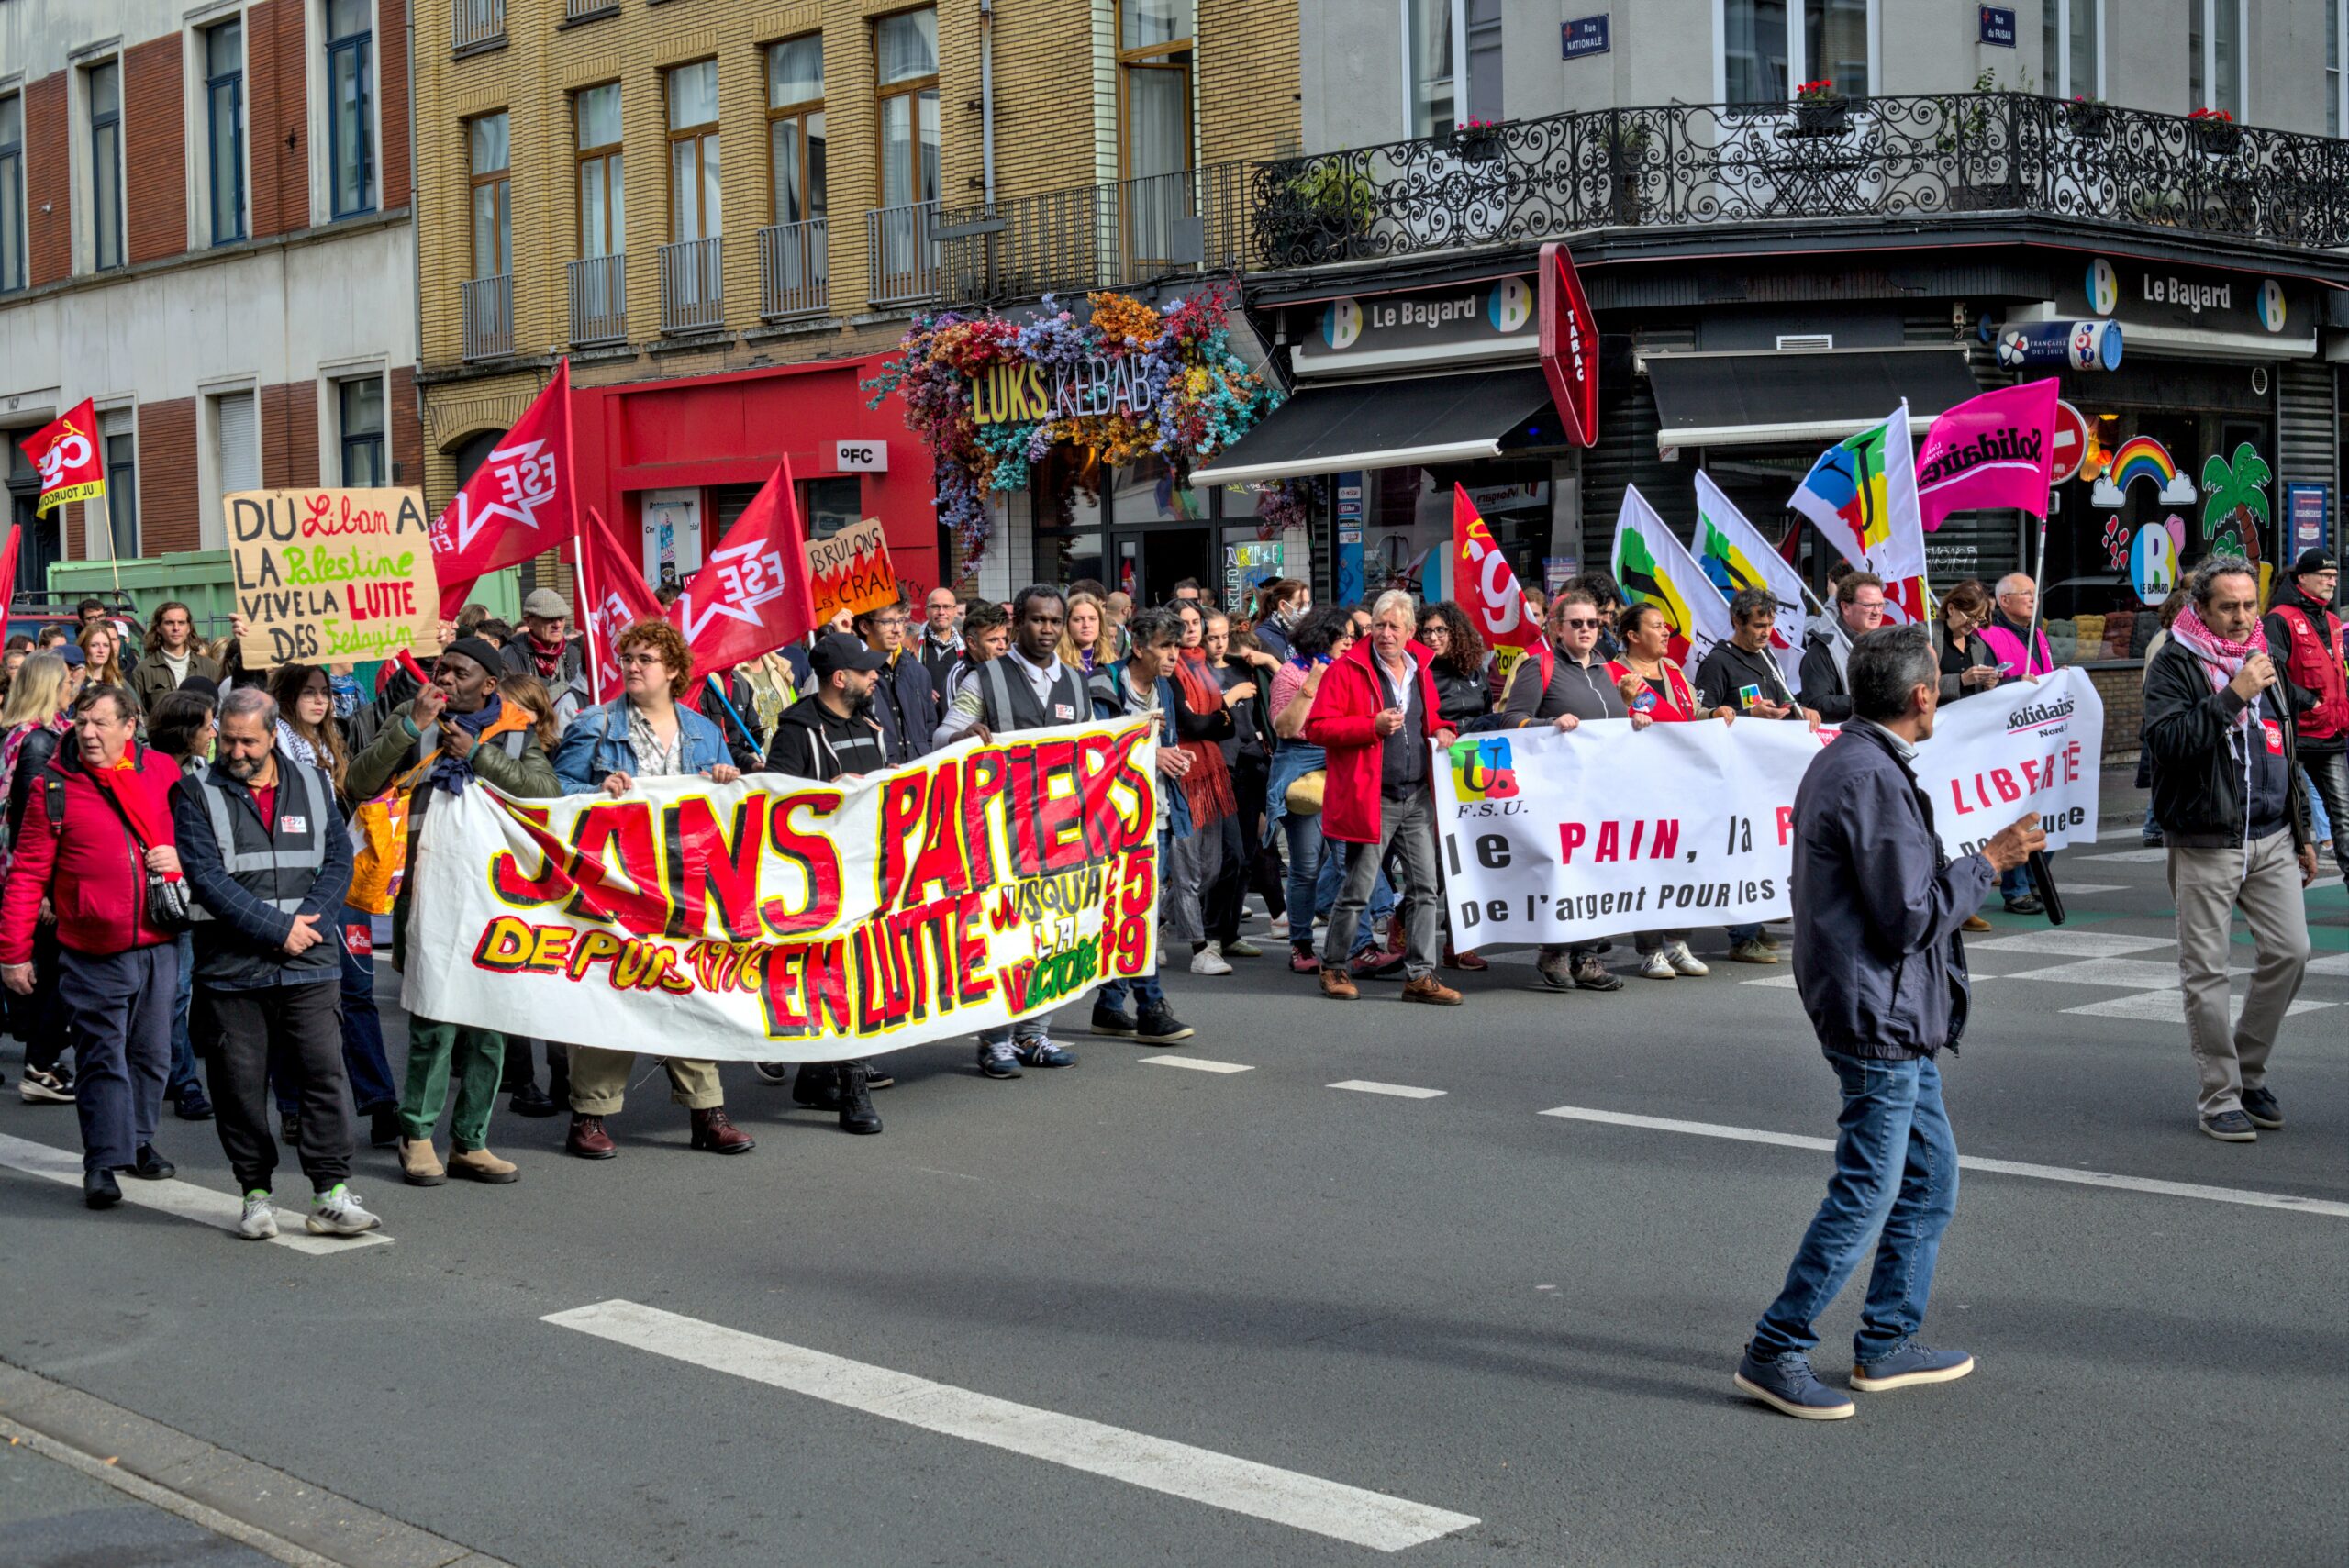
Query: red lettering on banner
(971,982)
(901,814)
(1570,838)
(1610,846)
(546,884)
(983,780)
(1957,796)
(2009,790)
(1060,811)
(1666,842)
(943,861)
(1786,824)
(639,903)
(704,860)
(814,854)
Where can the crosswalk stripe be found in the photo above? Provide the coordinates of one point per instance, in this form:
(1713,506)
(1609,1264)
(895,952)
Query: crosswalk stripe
(1400,1091)
(184,1199)
(1196,1063)
(2066,943)
(1238,1485)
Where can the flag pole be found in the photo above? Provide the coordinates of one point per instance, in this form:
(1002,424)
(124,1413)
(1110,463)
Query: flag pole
(112,563)
(584,582)
(2038,601)
(581,578)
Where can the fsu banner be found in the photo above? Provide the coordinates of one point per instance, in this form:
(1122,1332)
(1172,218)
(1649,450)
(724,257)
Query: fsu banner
(66,453)
(1552,837)
(777,920)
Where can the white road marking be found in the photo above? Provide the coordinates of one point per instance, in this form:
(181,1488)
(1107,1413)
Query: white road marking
(2128,973)
(1400,1091)
(1783,981)
(2242,1196)
(1197,1063)
(2331,963)
(2169,1007)
(183,1199)
(1238,1485)
(2082,889)
(2066,943)
(2135,857)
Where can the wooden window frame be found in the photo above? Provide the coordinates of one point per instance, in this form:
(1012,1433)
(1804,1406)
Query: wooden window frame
(1148,58)
(695,134)
(612,155)
(794,111)
(912,88)
(475,180)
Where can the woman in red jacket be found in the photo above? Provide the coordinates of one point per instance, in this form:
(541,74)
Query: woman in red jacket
(103,825)
(1373,716)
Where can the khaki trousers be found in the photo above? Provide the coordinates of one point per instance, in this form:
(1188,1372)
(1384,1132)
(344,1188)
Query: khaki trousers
(2209,886)
(599,1081)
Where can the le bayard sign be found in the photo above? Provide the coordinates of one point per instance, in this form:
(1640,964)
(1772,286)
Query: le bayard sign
(329,576)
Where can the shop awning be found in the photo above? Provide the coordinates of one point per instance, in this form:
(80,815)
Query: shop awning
(1730,400)
(1383,424)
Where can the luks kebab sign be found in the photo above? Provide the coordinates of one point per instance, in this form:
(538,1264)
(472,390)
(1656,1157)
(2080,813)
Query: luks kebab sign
(329,576)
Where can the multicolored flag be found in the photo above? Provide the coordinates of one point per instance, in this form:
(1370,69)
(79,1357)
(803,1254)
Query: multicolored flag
(67,454)
(1862,497)
(1654,568)
(521,502)
(1736,557)
(1997,450)
(751,595)
(610,595)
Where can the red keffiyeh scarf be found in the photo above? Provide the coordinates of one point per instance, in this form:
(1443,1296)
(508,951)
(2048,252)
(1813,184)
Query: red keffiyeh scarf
(1207,786)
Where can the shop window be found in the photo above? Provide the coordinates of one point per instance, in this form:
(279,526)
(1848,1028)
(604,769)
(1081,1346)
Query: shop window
(359,411)
(693,207)
(224,130)
(828,506)
(104,85)
(1769,47)
(603,218)
(488,156)
(1438,36)
(2217,69)
(795,127)
(2071,42)
(350,108)
(12,193)
(904,49)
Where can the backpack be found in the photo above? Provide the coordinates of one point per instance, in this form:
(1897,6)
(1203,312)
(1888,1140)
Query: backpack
(11,749)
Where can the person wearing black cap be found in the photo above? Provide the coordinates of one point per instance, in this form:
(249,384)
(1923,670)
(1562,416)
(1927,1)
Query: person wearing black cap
(831,735)
(2304,639)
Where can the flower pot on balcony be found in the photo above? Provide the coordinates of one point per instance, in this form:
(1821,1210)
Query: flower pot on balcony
(2089,122)
(1477,144)
(1625,204)
(2219,139)
(1825,116)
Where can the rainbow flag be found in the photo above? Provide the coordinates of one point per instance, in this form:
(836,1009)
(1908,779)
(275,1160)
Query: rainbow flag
(1862,497)
(1736,557)
(1654,568)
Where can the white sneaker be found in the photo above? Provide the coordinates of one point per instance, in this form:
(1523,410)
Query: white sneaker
(1683,962)
(1657,965)
(336,1212)
(1277,928)
(1240,947)
(259,1222)
(1208,960)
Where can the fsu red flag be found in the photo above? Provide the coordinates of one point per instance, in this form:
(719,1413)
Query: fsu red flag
(520,503)
(612,596)
(751,595)
(66,453)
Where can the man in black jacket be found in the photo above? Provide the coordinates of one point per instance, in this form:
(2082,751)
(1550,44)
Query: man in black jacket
(1881,969)
(2228,793)
(902,700)
(1859,602)
(941,647)
(1742,674)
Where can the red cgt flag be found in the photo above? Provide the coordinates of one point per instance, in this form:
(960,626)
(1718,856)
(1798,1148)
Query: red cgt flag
(1484,584)
(66,453)
(520,503)
(9,565)
(751,595)
(612,596)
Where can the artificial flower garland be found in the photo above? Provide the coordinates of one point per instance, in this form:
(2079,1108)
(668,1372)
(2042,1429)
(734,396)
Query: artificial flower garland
(1192,395)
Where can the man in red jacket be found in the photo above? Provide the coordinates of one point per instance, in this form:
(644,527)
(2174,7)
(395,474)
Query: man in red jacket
(1373,716)
(103,823)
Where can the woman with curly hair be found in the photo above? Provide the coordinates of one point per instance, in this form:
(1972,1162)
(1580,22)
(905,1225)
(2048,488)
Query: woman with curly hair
(1459,663)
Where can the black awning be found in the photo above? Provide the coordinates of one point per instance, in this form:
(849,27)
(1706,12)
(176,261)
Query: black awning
(1724,400)
(1386,424)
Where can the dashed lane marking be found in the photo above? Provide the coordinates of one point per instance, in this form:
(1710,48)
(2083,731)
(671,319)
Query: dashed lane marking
(2122,974)
(1237,1486)
(184,1199)
(2134,857)
(2169,1007)
(2241,1195)
(1399,1091)
(2064,943)
(1197,1064)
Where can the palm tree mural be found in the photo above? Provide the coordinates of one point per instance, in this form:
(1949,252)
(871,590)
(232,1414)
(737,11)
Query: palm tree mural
(2234,502)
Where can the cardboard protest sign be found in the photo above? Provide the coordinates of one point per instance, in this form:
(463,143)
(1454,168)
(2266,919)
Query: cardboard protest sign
(851,571)
(325,575)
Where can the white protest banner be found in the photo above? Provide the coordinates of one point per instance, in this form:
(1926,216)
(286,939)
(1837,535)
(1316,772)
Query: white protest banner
(778,919)
(1552,838)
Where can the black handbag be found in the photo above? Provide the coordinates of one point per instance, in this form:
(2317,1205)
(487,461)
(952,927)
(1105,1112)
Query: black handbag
(169,907)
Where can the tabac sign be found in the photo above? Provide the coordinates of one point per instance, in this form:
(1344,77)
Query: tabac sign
(1569,345)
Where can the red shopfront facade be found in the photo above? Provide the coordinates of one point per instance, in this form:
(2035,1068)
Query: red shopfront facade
(673,462)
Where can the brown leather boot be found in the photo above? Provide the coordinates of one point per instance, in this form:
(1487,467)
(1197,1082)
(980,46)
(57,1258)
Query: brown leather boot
(588,1140)
(1336,983)
(1428,988)
(481,1166)
(714,1132)
(419,1166)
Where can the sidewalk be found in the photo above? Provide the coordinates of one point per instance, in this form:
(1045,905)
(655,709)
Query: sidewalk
(53,1516)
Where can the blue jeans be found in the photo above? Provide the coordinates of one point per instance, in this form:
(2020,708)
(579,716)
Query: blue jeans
(1145,988)
(183,1076)
(1314,879)
(1003,1040)
(1896,1169)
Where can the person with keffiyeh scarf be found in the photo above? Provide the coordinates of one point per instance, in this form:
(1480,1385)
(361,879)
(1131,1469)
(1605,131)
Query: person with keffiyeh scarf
(1203,871)
(2233,808)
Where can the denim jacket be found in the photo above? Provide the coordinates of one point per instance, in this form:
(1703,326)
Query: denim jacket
(596,746)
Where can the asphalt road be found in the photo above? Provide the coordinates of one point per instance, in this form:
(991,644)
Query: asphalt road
(1524,1319)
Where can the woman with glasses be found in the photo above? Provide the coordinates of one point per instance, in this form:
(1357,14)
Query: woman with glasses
(1967,664)
(1458,665)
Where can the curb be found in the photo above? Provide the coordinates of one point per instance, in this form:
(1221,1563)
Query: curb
(267,1510)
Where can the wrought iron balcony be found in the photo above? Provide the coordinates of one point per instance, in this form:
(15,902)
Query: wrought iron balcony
(584,10)
(475,22)
(1698,164)
(901,251)
(693,286)
(487,306)
(1129,232)
(795,270)
(599,299)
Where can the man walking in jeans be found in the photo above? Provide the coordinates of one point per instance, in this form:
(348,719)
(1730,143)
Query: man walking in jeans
(1882,972)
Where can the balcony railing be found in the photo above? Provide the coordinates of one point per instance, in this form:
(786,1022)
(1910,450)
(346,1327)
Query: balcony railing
(580,10)
(693,286)
(476,21)
(1898,158)
(599,299)
(795,270)
(488,310)
(901,245)
(1128,232)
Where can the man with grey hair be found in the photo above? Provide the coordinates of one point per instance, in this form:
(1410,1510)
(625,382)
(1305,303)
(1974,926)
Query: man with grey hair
(266,855)
(1881,970)
(2228,792)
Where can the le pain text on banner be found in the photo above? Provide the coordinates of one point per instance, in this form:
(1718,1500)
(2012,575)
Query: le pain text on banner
(849,571)
(327,575)
(778,919)
(1552,838)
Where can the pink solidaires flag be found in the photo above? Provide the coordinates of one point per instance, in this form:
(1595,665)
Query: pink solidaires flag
(1997,449)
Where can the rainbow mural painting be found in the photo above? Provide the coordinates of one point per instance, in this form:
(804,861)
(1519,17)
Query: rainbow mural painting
(2141,457)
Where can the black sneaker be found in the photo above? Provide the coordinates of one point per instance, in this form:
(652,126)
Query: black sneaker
(857,1114)
(2027,903)
(2260,1106)
(100,1190)
(150,1166)
(1592,975)
(877,1076)
(2230,1127)
(816,1087)
(1787,1384)
(383,1126)
(1112,1022)
(191,1105)
(531,1100)
(1161,1027)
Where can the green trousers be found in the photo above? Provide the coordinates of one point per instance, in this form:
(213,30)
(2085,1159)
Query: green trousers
(476,1057)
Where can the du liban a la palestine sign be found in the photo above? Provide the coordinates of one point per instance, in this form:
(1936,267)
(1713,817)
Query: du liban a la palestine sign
(329,576)
(780,919)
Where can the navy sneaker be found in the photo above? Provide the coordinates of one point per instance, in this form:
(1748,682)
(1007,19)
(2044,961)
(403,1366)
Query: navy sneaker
(191,1105)
(877,1076)
(1787,1384)
(1112,1021)
(1044,1053)
(999,1064)
(2230,1127)
(2260,1106)
(1909,1363)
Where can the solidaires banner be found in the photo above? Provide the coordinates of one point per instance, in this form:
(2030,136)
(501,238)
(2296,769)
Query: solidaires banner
(777,920)
(1551,837)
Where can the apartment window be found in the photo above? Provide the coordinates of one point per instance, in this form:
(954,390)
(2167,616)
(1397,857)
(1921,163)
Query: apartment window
(12,193)
(694,211)
(1438,36)
(905,51)
(351,105)
(2336,27)
(603,218)
(493,196)
(105,83)
(1154,86)
(1769,47)
(2071,42)
(359,412)
(122,482)
(224,137)
(2216,68)
(236,443)
(796,126)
